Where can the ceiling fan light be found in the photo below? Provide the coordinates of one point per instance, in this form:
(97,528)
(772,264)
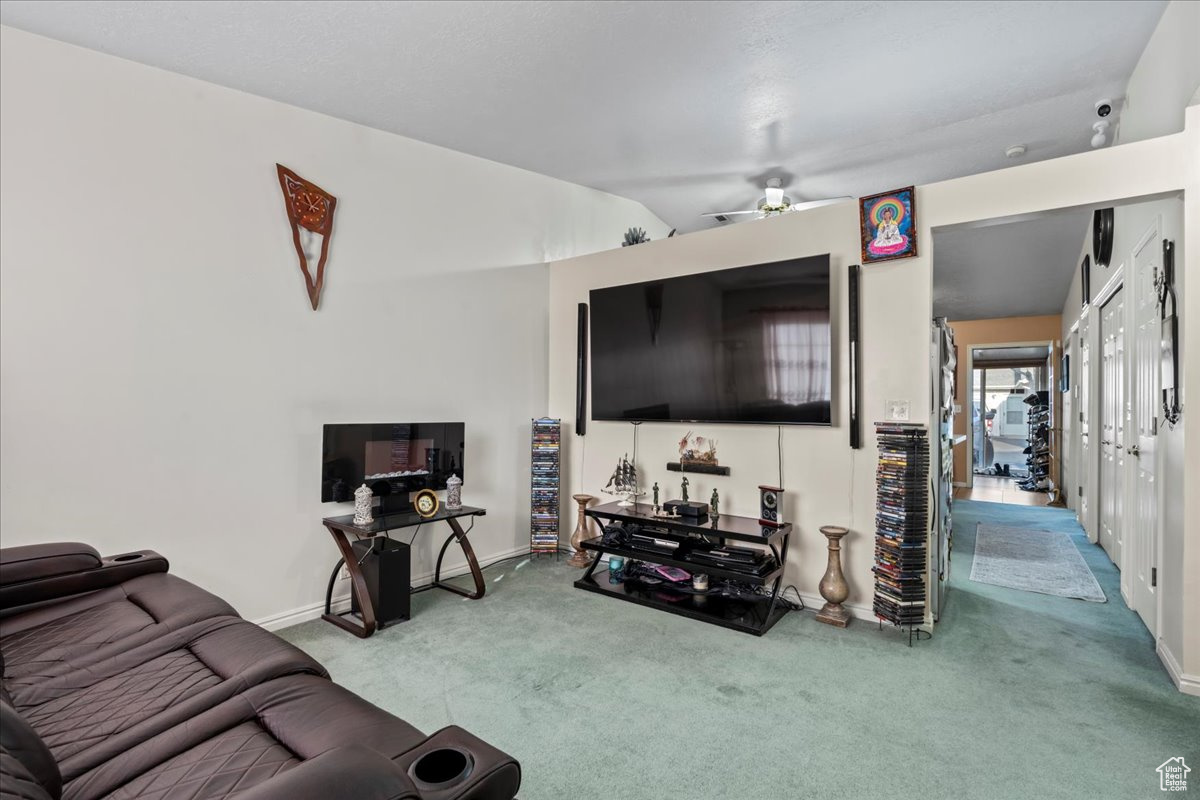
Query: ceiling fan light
(774,196)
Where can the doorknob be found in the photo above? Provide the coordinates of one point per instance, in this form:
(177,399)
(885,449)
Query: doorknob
(1135,451)
(1120,447)
(1105,441)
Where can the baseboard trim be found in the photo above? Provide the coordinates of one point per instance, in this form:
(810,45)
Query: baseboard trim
(341,599)
(813,602)
(1188,684)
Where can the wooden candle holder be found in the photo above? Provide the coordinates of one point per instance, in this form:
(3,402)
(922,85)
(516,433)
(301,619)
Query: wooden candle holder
(581,558)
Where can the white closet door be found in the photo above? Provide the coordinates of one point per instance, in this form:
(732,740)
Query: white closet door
(1142,540)
(1112,425)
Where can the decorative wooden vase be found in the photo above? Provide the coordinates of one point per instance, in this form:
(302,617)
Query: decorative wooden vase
(833,585)
(581,558)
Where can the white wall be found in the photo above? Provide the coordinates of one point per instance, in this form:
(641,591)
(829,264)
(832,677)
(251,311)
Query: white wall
(164,380)
(827,483)
(1166,78)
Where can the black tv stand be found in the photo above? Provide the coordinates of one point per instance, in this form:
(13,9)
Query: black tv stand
(739,612)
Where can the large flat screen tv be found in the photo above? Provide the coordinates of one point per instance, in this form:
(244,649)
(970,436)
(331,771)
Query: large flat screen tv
(749,344)
(393,458)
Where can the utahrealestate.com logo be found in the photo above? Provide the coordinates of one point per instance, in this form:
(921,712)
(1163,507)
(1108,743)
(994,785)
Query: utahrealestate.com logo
(1172,775)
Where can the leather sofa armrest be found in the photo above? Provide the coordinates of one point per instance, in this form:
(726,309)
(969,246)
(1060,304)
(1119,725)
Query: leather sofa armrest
(493,774)
(351,771)
(41,572)
(34,561)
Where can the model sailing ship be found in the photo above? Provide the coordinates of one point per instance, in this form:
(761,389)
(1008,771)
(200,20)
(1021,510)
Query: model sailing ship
(624,483)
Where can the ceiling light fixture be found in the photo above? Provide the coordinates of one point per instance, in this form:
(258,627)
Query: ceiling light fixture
(1016,151)
(774,192)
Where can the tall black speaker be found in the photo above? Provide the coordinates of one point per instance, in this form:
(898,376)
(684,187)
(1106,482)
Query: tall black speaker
(581,372)
(855,358)
(386,567)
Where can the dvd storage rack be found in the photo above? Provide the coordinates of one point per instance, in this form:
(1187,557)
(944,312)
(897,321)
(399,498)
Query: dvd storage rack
(544,483)
(901,525)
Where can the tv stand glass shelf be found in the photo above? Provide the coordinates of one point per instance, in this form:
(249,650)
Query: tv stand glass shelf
(738,610)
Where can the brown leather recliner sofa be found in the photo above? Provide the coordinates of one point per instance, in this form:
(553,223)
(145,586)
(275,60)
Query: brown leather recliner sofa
(119,680)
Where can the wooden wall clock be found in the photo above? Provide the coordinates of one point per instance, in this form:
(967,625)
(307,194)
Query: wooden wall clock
(310,212)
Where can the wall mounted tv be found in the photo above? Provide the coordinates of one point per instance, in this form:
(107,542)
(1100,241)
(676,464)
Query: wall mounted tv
(750,344)
(394,459)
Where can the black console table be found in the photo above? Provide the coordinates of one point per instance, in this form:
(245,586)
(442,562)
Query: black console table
(341,528)
(754,616)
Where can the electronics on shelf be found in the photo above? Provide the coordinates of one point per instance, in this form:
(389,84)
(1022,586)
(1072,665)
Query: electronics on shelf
(687,508)
(741,560)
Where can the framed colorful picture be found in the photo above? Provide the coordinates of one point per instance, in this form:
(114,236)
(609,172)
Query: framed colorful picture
(888,224)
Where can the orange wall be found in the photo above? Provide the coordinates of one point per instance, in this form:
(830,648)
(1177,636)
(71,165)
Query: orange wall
(972,333)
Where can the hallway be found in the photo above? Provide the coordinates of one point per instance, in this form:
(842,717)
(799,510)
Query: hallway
(1091,667)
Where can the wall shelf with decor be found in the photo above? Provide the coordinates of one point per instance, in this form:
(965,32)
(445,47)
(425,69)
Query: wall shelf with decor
(707,469)
(544,486)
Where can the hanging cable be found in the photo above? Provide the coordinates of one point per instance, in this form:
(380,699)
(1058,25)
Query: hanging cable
(779,446)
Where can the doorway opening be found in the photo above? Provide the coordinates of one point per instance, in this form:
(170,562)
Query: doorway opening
(1083,286)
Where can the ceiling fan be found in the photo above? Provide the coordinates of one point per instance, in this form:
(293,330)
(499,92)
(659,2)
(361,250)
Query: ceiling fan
(775,202)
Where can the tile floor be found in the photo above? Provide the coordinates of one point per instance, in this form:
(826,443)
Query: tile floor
(992,489)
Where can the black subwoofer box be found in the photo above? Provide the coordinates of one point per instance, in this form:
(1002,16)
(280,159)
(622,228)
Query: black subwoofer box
(386,566)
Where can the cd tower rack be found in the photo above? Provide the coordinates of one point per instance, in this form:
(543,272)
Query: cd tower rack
(544,484)
(901,526)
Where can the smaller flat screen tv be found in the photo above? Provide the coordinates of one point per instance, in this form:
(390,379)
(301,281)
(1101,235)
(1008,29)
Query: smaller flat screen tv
(749,344)
(394,458)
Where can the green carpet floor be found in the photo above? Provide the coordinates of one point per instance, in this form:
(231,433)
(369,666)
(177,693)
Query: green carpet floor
(1017,695)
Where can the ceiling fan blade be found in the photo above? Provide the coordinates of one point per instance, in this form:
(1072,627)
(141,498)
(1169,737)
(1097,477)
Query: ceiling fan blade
(730,213)
(828,201)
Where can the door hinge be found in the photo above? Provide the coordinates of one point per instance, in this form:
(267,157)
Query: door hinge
(1081,416)
(1080,488)
(1154,576)
(1154,426)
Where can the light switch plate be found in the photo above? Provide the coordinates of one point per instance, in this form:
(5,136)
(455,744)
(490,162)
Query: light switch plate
(897,410)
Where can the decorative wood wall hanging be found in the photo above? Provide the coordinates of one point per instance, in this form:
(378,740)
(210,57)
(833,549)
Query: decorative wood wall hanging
(310,212)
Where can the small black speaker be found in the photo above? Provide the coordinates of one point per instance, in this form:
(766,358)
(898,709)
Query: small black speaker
(855,358)
(581,372)
(385,565)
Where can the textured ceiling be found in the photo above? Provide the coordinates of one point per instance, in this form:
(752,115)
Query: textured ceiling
(684,106)
(1007,268)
